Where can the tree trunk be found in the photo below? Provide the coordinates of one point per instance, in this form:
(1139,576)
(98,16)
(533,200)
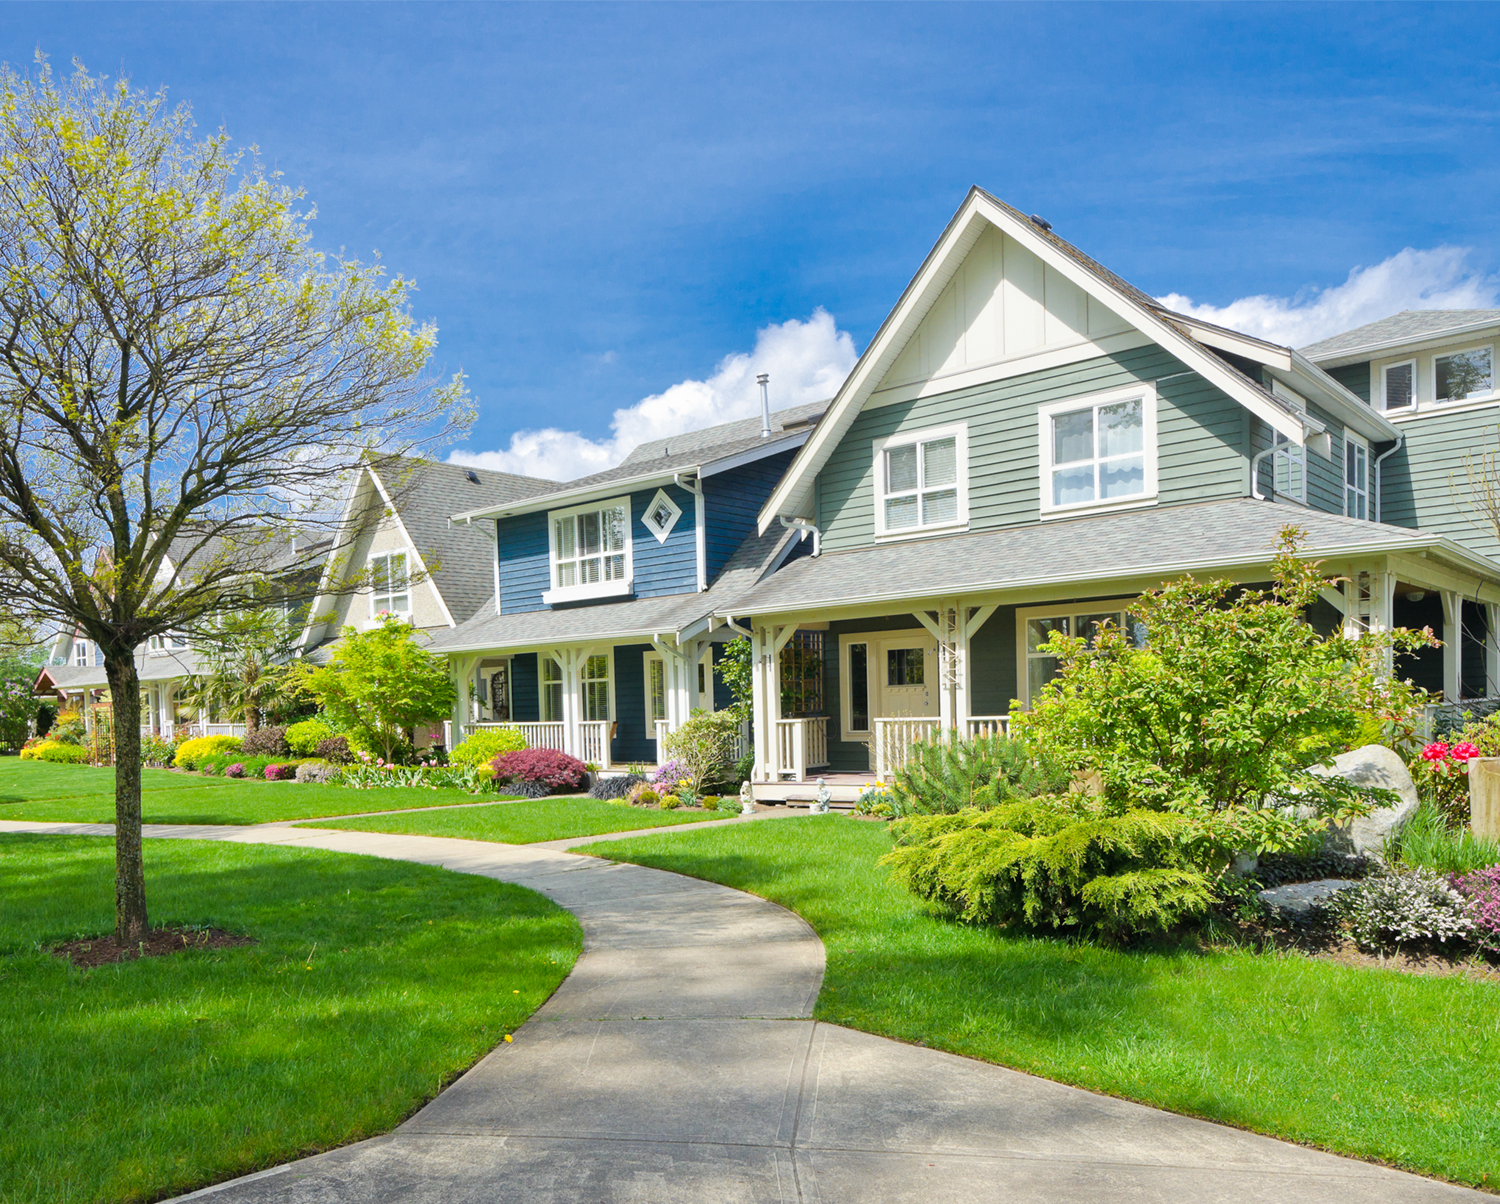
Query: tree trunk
(252,719)
(130,867)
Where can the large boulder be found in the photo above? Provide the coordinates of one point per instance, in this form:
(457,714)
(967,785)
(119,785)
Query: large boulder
(1371,765)
(1298,900)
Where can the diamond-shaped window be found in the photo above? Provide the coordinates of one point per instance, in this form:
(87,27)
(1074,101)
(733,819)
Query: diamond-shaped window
(661,516)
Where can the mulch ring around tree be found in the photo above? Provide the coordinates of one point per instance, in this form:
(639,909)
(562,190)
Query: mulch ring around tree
(162,942)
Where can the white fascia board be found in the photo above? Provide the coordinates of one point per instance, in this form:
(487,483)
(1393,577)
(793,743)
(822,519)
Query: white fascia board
(1380,349)
(1244,345)
(1478,564)
(326,576)
(769,447)
(937,269)
(1306,377)
(574,497)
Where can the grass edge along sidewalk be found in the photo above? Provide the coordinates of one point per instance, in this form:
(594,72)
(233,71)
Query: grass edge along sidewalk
(1375,1064)
(152,1077)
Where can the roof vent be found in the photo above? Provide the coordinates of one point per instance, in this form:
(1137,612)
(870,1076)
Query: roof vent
(764,381)
(473,476)
(1041,223)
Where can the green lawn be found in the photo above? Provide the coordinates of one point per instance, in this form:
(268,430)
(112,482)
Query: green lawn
(1372,1063)
(528,822)
(37,790)
(374,984)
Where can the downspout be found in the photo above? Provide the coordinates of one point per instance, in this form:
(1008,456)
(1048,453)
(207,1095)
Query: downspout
(802,524)
(700,522)
(1379,499)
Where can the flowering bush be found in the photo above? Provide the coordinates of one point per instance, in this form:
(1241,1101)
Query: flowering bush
(157,751)
(55,751)
(1442,778)
(1391,908)
(1481,890)
(875,799)
(536,767)
(703,748)
(237,770)
(190,752)
(279,773)
(643,795)
(668,773)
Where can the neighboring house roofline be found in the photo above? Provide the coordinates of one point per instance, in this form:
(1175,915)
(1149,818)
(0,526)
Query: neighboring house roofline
(599,490)
(958,238)
(1355,353)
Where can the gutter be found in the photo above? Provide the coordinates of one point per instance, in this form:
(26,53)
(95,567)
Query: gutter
(802,524)
(1379,500)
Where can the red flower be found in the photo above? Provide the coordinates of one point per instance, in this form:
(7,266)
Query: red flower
(1435,752)
(1462,752)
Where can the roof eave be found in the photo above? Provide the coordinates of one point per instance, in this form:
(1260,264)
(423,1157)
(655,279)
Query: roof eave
(1365,351)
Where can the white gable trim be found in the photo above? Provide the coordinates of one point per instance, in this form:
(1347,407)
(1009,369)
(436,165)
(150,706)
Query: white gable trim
(325,579)
(411,545)
(942,262)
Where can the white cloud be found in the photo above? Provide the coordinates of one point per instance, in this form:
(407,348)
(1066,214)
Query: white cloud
(1437,279)
(807,362)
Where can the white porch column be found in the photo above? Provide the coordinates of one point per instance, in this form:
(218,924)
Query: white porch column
(1492,649)
(760,736)
(571,659)
(1453,610)
(463,678)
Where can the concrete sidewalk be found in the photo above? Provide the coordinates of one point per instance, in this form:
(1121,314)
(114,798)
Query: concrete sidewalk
(678,1063)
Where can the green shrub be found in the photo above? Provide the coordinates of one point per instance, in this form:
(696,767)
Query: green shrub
(484,745)
(670,802)
(56,752)
(710,802)
(189,752)
(1060,863)
(157,751)
(703,747)
(303,738)
(945,776)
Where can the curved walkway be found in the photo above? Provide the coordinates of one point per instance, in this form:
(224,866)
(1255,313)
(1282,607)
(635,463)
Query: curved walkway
(678,1063)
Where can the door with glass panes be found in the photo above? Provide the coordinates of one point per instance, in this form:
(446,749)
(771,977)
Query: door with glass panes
(907,677)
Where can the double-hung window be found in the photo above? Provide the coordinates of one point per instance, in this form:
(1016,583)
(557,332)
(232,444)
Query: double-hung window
(1459,375)
(81,652)
(921,481)
(1098,452)
(1036,626)
(552,690)
(1289,470)
(1356,476)
(590,551)
(391,585)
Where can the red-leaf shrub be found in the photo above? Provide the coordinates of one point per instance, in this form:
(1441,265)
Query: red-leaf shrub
(280,773)
(265,742)
(545,766)
(334,750)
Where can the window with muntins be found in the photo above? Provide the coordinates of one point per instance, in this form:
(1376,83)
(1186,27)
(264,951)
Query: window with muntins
(1461,374)
(392,589)
(1099,452)
(1356,477)
(596,687)
(591,550)
(1041,663)
(552,690)
(921,480)
(1289,469)
(81,653)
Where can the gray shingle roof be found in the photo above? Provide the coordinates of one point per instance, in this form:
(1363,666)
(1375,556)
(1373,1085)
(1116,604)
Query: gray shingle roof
(163,666)
(1136,543)
(460,559)
(1407,326)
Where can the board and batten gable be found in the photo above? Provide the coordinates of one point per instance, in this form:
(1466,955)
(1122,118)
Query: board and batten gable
(658,567)
(1001,303)
(1202,436)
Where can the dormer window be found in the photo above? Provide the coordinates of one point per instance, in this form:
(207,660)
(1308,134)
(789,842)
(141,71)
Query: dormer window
(81,653)
(1098,452)
(1460,375)
(922,481)
(392,588)
(590,551)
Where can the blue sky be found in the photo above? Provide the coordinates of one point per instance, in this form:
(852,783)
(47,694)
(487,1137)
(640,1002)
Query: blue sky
(602,203)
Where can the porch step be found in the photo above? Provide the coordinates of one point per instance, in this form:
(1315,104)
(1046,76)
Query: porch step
(804,792)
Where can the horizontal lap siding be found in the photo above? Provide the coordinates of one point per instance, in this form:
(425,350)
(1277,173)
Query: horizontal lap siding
(525,696)
(631,742)
(525,573)
(732,503)
(670,567)
(1425,484)
(1200,435)
(1325,478)
(992,661)
(1355,378)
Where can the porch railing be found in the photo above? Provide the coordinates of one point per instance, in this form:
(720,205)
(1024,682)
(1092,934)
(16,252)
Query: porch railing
(663,728)
(741,742)
(801,744)
(894,737)
(593,742)
(536,735)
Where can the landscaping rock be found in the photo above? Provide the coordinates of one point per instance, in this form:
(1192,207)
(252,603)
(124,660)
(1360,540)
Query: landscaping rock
(1372,765)
(1297,901)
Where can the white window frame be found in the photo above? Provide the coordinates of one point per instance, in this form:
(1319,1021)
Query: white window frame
(1411,405)
(648,520)
(1445,353)
(390,594)
(1355,441)
(1069,610)
(1289,454)
(1044,416)
(542,684)
(609,687)
(81,654)
(959,433)
(649,660)
(598,589)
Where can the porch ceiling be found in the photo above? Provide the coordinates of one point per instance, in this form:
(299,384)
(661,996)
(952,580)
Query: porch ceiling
(1158,542)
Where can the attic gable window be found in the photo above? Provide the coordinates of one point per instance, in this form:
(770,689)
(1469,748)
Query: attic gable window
(392,589)
(662,515)
(81,653)
(590,551)
(922,481)
(1098,452)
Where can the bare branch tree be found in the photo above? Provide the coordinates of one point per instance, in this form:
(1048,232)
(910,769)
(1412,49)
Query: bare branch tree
(178,366)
